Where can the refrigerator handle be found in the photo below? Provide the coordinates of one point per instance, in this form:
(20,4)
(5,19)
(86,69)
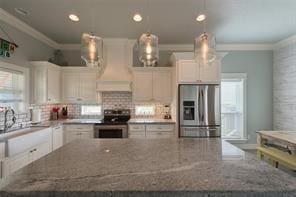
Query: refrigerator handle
(201,106)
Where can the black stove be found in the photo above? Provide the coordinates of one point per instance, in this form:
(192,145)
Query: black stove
(114,124)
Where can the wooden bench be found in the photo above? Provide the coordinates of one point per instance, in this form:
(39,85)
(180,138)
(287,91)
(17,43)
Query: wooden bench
(277,156)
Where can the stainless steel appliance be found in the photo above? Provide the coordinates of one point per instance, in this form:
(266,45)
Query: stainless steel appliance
(199,110)
(114,124)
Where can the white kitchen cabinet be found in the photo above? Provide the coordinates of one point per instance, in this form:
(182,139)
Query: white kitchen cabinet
(151,131)
(188,71)
(47,82)
(88,87)
(162,86)
(137,131)
(78,131)
(143,87)
(71,87)
(15,162)
(152,85)
(57,137)
(79,86)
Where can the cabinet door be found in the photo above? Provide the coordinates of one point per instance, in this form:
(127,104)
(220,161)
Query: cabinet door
(41,150)
(71,87)
(188,71)
(53,85)
(57,137)
(143,87)
(40,93)
(71,136)
(15,163)
(136,131)
(162,87)
(86,135)
(88,87)
(211,72)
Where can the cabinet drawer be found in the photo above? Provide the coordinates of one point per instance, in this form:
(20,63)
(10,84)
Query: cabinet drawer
(137,127)
(137,135)
(79,128)
(159,135)
(160,128)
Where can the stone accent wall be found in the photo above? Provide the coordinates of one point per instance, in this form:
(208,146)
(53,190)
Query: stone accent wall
(284,88)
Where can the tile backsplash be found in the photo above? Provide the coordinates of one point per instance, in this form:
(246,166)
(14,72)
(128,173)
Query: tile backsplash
(109,100)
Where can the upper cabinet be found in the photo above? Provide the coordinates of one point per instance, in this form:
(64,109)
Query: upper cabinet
(47,79)
(79,85)
(190,71)
(152,85)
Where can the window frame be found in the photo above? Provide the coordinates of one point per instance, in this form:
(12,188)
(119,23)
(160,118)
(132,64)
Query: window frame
(26,73)
(243,77)
(91,105)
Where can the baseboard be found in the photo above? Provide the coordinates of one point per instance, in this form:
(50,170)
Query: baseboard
(246,146)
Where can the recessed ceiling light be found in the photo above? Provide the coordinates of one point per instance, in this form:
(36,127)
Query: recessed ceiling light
(137,17)
(201,17)
(22,11)
(74,17)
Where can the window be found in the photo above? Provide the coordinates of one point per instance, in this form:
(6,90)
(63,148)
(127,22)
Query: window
(233,94)
(91,110)
(12,89)
(144,110)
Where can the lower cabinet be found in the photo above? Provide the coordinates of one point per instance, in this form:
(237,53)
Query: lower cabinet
(78,131)
(152,131)
(57,137)
(16,162)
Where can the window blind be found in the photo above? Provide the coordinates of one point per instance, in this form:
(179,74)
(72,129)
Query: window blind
(11,89)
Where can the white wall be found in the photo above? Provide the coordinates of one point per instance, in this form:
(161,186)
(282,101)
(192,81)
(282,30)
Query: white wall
(29,48)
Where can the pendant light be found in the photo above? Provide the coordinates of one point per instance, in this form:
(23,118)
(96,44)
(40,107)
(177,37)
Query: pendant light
(92,50)
(148,46)
(204,45)
(92,46)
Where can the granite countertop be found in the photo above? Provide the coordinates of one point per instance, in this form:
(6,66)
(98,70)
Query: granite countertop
(151,121)
(141,167)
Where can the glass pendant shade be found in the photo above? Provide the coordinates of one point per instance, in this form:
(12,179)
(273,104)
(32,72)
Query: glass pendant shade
(92,50)
(148,49)
(204,48)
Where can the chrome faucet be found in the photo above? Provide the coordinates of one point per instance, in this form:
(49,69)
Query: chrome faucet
(6,125)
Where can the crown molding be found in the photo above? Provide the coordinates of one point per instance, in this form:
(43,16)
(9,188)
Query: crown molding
(244,47)
(20,25)
(285,42)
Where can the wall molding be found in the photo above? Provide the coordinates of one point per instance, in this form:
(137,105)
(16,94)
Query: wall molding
(24,27)
(285,42)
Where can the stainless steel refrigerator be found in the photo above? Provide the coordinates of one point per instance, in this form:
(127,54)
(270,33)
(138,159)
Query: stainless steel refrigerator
(199,110)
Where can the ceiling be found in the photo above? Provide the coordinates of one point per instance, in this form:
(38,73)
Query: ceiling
(232,21)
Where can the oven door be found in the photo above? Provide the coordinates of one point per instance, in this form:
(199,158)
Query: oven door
(111,131)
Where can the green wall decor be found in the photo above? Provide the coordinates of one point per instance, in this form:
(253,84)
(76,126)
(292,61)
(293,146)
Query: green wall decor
(6,48)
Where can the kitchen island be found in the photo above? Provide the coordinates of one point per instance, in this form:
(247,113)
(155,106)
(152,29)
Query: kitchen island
(141,167)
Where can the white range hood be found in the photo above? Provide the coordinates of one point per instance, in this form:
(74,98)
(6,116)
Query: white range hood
(118,58)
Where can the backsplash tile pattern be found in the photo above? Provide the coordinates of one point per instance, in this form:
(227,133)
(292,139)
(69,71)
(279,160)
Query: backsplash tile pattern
(22,120)
(110,100)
